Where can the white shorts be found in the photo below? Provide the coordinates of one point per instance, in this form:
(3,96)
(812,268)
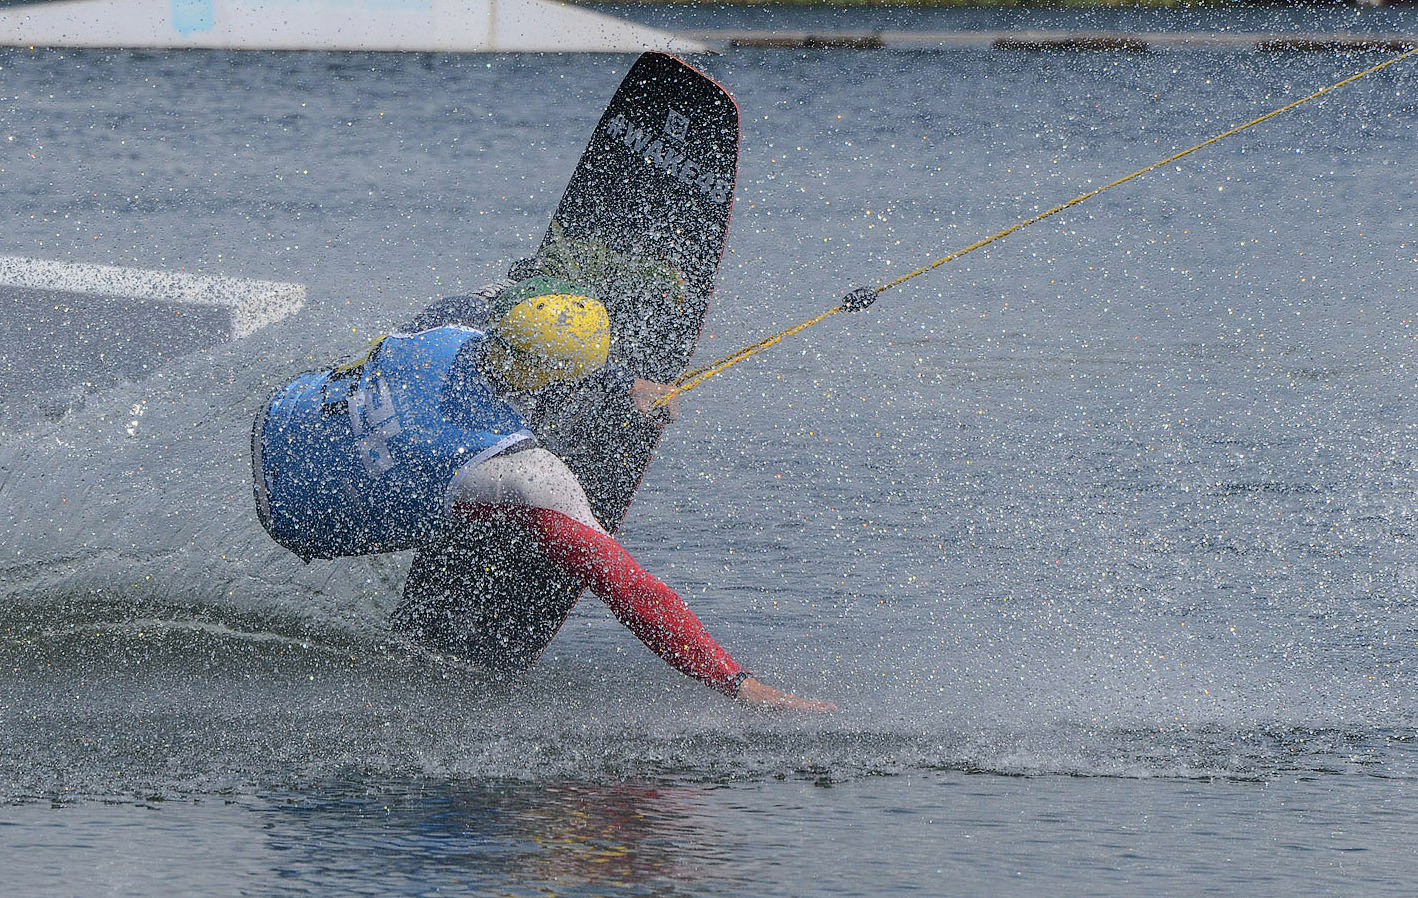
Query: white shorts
(532,478)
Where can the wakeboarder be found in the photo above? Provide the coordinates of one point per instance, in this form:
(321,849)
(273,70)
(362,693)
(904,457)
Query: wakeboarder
(428,433)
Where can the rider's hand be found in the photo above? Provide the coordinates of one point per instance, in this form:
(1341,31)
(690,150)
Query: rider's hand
(645,392)
(761,695)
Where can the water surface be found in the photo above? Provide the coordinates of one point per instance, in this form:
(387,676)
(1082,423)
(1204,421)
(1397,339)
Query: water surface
(1103,538)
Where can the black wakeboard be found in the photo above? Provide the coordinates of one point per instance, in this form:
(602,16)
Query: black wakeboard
(643,222)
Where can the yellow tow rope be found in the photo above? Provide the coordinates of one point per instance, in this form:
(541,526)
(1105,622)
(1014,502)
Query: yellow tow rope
(860,299)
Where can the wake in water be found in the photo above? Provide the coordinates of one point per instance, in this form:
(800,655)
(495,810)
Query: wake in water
(145,699)
(1053,620)
(1103,508)
(159,644)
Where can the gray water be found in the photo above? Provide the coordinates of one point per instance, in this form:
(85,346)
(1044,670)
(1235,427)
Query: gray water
(1102,538)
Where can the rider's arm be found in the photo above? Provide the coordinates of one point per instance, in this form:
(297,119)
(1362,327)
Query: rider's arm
(654,612)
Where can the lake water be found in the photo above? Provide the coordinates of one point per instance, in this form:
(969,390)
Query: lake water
(1103,538)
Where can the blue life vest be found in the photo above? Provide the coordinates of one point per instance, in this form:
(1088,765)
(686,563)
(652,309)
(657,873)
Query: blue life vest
(350,462)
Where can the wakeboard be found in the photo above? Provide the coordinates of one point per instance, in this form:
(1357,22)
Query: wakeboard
(643,222)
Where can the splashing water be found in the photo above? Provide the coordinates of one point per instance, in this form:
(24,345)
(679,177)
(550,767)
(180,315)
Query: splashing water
(1132,497)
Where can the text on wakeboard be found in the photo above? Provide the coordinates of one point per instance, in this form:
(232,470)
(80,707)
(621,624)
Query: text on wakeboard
(665,157)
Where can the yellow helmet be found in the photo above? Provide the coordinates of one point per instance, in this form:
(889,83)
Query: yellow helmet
(554,336)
